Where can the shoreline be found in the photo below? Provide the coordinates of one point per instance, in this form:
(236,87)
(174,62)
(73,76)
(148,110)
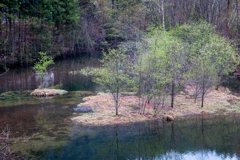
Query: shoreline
(217,102)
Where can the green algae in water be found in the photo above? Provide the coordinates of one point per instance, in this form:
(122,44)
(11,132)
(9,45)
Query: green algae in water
(13,98)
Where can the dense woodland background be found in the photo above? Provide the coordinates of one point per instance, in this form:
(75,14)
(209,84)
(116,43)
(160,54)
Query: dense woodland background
(73,27)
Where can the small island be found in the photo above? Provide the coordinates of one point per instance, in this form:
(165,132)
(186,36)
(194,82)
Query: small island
(219,101)
(173,73)
(45,92)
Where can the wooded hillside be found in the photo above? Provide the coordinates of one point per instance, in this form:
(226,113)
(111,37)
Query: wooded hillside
(73,27)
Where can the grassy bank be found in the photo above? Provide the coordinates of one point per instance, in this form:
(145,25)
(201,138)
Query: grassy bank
(220,101)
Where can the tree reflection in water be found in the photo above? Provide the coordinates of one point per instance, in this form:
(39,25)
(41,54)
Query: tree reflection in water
(198,137)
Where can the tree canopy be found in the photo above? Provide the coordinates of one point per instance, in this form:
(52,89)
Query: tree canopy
(164,62)
(74,27)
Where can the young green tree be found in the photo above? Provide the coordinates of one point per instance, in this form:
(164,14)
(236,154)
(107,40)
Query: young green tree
(171,57)
(203,75)
(42,65)
(140,71)
(217,59)
(155,79)
(212,56)
(113,76)
(160,67)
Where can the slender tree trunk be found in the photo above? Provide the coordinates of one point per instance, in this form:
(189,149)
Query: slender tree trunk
(1,33)
(163,16)
(219,13)
(5,44)
(185,11)
(237,18)
(216,19)
(13,40)
(1,27)
(117,103)
(202,99)
(139,82)
(163,99)
(174,13)
(172,94)
(10,34)
(26,43)
(116,107)
(112,4)
(19,38)
(227,27)
(144,105)
(73,42)
(145,22)
(154,103)
(195,96)
(203,93)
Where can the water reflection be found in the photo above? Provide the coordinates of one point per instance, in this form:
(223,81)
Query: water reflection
(27,79)
(196,138)
(44,122)
(53,136)
(48,79)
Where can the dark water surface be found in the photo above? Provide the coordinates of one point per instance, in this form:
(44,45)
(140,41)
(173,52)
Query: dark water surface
(46,131)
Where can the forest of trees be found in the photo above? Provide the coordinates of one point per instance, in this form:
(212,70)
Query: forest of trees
(162,63)
(73,27)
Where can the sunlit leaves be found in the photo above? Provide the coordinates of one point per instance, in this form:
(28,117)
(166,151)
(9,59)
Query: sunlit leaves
(42,65)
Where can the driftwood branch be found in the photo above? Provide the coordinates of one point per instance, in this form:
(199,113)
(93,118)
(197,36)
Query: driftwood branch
(4,73)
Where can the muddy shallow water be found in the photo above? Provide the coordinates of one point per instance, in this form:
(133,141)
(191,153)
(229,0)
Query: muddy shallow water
(47,132)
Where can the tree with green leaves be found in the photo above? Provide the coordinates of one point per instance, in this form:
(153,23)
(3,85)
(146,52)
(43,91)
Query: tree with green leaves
(212,56)
(42,65)
(192,53)
(154,81)
(171,60)
(160,67)
(203,75)
(113,75)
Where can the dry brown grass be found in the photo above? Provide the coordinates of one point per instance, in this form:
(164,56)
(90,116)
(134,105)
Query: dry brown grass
(216,102)
(48,92)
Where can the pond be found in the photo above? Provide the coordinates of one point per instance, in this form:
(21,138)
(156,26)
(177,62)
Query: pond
(46,131)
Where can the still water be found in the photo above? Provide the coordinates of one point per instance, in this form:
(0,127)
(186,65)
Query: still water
(46,131)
